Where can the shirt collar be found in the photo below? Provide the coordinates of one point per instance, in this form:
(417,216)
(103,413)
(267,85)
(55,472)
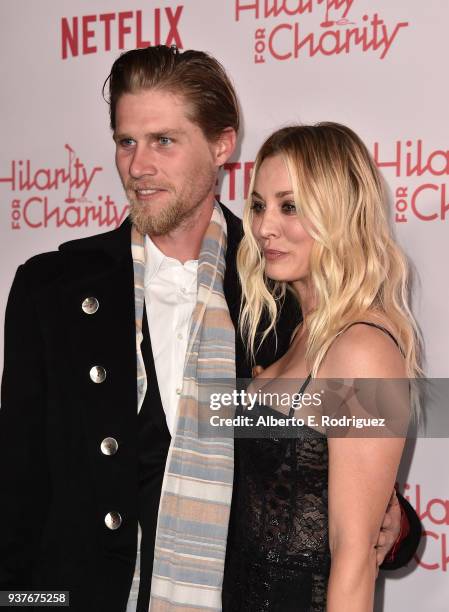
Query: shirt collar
(155,260)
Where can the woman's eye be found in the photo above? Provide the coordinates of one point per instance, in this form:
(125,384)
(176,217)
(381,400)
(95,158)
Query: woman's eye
(256,207)
(289,207)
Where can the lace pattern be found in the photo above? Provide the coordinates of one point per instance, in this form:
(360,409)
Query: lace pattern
(278,553)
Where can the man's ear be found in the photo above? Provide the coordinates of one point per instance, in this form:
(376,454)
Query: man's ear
(224,146)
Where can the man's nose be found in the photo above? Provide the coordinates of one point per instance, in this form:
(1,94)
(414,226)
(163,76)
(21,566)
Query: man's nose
(142,162)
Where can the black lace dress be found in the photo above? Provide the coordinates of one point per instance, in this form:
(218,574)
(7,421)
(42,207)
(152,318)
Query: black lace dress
(278,554)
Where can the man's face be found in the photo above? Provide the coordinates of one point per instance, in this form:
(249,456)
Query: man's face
(167,166)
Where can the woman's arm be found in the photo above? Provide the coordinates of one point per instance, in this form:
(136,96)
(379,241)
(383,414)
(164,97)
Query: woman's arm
(362,472)
(361,475)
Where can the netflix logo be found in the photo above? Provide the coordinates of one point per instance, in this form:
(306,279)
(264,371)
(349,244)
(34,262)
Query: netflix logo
(86,34)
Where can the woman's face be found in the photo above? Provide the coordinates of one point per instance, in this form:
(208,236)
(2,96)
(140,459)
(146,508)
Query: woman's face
(280,234)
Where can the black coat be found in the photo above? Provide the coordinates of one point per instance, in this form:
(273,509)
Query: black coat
(56,484)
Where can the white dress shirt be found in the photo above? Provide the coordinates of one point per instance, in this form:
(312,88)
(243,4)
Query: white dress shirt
(170,297)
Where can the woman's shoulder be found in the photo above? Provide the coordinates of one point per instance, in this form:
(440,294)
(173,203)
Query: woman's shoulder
(365,348)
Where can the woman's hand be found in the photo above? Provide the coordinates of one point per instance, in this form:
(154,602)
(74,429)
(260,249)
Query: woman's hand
(257,370)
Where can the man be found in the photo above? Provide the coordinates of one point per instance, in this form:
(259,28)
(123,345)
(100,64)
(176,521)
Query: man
(93,378)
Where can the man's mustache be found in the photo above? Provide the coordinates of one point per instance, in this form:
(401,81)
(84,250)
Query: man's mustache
(135,185)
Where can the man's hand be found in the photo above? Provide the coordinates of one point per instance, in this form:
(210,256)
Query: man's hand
(389,531)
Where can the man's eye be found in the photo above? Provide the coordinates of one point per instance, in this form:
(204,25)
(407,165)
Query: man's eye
(164,141)
(256,207)
(289,208)
(127,142)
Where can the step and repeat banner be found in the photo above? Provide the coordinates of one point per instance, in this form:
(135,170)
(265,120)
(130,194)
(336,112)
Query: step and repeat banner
(379,66)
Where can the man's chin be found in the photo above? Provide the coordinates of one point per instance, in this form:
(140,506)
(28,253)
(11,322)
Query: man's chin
(151,224)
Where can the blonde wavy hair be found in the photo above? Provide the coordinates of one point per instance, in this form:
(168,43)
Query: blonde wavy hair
(356,266)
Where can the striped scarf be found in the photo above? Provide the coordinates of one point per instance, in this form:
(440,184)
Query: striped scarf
(197,487)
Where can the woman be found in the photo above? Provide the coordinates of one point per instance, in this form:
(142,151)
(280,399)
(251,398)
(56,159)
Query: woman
(316,223)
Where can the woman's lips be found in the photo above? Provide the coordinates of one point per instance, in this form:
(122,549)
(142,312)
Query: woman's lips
(273,255)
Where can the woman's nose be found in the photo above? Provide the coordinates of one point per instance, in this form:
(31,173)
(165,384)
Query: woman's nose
(268,224)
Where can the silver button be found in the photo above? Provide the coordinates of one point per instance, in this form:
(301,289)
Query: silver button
(97,374)
(179,390)
(183,290)
(113,520)
(109,446)
(90,305)
(179,336)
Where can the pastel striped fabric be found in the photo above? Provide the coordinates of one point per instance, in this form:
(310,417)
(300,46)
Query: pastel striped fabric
(197,488)
(138,256)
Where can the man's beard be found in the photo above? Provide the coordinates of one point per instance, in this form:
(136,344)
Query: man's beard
(165,221)
(176,211)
